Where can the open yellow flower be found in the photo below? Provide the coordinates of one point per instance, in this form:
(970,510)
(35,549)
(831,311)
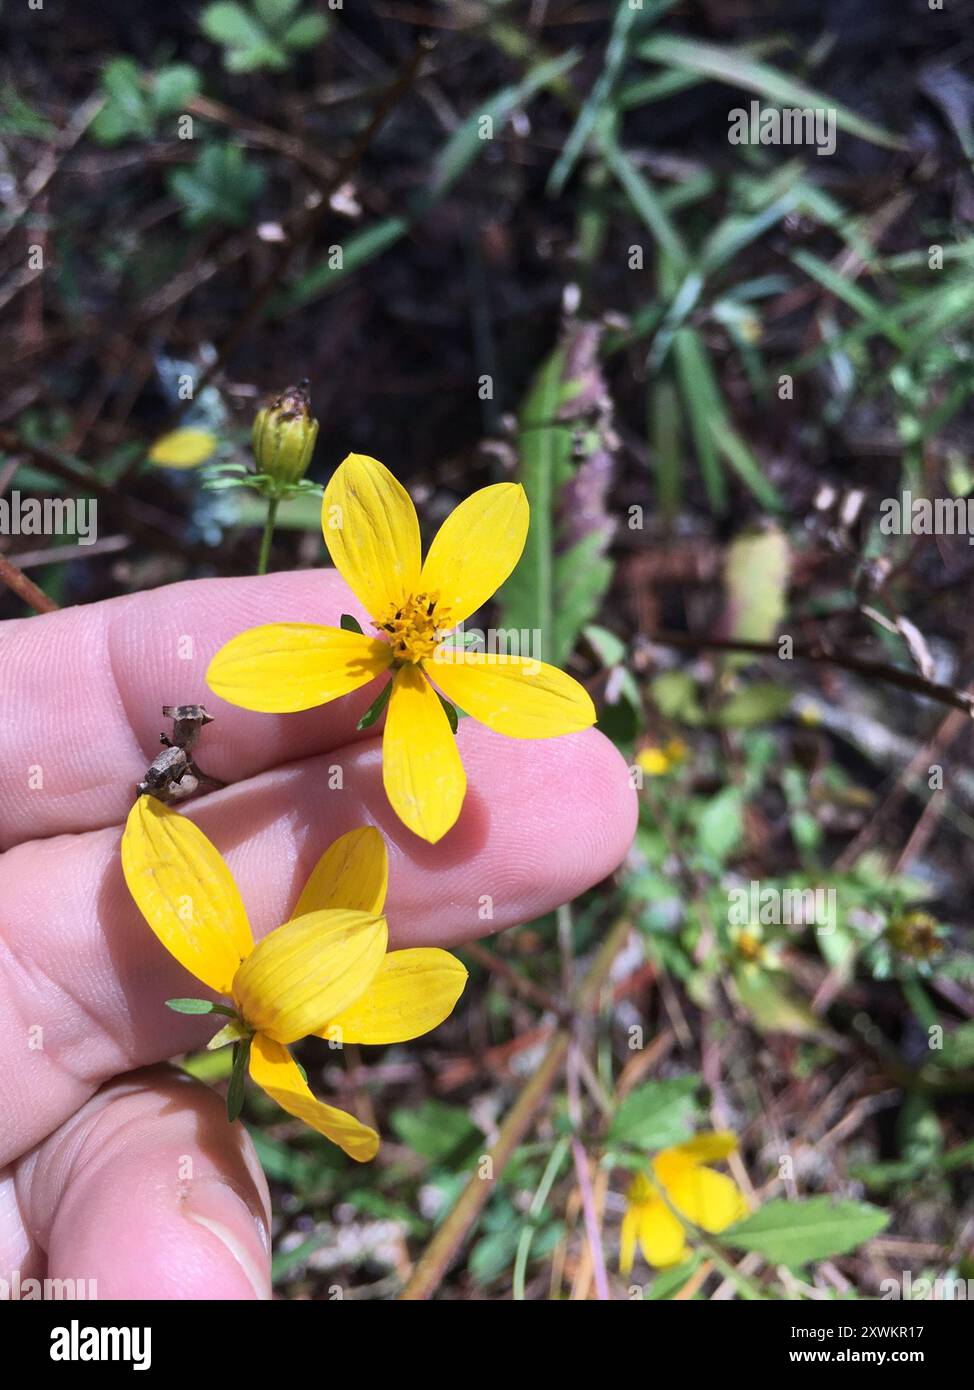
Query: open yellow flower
(706,1199)
(372,533)
(325,972)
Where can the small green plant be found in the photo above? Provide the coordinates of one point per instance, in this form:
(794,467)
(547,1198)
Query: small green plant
(220,186)
(264,36)
(135,102)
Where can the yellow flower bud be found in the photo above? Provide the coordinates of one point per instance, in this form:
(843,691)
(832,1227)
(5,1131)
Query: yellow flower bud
(284,435)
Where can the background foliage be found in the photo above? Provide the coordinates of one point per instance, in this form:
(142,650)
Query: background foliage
(548,253)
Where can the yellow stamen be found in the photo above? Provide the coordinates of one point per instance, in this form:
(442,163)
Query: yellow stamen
(415,628)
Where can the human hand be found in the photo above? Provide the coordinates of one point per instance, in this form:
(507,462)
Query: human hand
(116,1169)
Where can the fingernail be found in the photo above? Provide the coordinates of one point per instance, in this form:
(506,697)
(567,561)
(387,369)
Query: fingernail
(223,1212)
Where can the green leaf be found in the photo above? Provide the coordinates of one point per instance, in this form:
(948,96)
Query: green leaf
(745,464)
(704,407)
(657,1114)
(438,1132)
(174,87)
(557,586)
(756,583)
(755,704)
(232,26)
(263,55)
(374,710)
(238,1078)
(645,200)
(349,623)
(324,277)
(675,696)
(305,32)
(795,1232)
(740,70)
(773,1004)
(126,111)
(275,13)
(616,51)
(220,186)
(720,827)
(467,142)
(190,1006)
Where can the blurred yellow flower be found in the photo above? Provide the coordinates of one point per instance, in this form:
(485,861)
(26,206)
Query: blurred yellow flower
(372,533)
(325,972)
(657,762)
(706,1199)
(183,449)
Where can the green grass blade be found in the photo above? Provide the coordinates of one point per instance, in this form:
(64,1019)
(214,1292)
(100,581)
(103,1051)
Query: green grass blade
(739,69)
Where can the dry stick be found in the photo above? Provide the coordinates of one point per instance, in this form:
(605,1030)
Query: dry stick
(892,675)
(442,1249)
(25,588)
(394,94)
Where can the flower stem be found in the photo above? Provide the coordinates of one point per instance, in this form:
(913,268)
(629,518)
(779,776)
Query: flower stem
(265,544)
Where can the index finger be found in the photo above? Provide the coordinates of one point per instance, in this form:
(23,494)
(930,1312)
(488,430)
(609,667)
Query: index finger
(81,693)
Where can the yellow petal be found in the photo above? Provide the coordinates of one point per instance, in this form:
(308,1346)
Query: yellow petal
(352,873)
(476,548)
(661,1237)
(183,448)
(414,991)
(706,1148)
(185,893)
(421,768)
(513,695)
(710,1200)
(284,667)
(276,1073)
(627,1239)
(372,533)
(308,971)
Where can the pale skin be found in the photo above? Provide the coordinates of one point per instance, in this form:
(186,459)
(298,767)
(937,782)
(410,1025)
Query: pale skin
(112,1166)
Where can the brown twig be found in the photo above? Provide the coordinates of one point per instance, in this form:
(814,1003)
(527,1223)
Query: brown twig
(878,670)
(25,588)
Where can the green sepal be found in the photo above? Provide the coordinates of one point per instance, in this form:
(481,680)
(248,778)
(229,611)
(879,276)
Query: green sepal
(235,1091)
(351,624)
(450,713)
(375,709)
(235,1031)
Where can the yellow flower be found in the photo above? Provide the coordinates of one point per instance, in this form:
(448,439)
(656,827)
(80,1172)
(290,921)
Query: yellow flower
(183,449)
(325,972)
(706,1199)
(372,532)
(653,761)
(657,762)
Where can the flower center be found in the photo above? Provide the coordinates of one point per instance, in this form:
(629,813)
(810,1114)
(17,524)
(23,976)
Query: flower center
(416,628)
